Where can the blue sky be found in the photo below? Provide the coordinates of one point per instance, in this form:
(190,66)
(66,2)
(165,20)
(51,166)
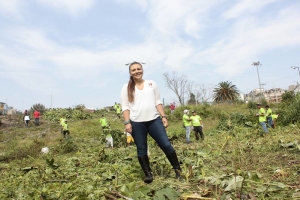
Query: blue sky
(76,50)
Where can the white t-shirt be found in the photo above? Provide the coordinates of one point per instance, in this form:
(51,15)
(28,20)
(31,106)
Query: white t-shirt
(145,101)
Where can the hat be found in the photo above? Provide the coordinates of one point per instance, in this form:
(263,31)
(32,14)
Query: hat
(185,111)
(258,104)
(193,111)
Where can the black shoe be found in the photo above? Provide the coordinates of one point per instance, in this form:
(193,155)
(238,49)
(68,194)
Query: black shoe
(175,163)
(144,162)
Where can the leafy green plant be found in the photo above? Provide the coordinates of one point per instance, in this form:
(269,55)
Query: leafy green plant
(251,105)
(288,96)
(67,145)
(289,111)
(233,158)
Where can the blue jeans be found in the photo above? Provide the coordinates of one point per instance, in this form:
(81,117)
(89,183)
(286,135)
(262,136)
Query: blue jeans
(270,121)
(264,126)
(37,121)
(156,130)
(188,133)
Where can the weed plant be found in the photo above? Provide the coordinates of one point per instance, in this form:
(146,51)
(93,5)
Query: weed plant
(235,160)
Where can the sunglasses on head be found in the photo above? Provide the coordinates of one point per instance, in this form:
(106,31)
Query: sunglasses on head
(141,63)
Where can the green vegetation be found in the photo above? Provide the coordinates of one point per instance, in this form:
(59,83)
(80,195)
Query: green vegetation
(225,91)
(289,108)
(72,114)
(234,161)
(38,106)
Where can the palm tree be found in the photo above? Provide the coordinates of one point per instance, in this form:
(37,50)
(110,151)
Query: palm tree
(225,92)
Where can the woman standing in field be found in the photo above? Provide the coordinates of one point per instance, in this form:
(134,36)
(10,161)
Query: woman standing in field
(143,113)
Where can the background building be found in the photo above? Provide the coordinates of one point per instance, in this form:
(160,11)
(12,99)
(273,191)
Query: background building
(5,110)
(295,88)
(272,95)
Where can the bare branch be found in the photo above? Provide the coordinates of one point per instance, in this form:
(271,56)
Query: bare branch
(203,92)
(177,84)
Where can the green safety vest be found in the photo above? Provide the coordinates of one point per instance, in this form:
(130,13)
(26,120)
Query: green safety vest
(262,118)
(196,120)
(185,120)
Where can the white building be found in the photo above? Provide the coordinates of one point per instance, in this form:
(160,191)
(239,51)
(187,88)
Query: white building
(241,97)
(295,88)
(253,95)
(272,95)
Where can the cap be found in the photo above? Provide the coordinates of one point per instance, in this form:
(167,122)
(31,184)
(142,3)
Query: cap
(258,104)
(193,111)
(185,111)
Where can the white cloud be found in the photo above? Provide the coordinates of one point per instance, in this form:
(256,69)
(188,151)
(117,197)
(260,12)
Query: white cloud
(176,30)
(11,8)
(250,37)
(246,7)
(25,71)
(69,6)
(176,17)
(170,18)
(142,4)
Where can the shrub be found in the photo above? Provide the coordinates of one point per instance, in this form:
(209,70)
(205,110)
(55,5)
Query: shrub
(289,111)
(264,102)
(239,101)
(288,96)
(251,105)
(18,152)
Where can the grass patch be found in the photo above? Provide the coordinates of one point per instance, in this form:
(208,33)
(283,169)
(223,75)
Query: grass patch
(236,162)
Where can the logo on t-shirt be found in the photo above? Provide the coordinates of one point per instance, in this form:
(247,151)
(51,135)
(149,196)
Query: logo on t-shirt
(150,84)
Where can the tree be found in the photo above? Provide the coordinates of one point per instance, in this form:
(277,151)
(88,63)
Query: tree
(225,91)
(80,107)
(203,92)
(40,107)
(177,84)
(192,99)
(288,96)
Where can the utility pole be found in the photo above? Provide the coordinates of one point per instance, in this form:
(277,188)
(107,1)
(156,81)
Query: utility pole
(262,85)
(51,100)
(196,98)
(275,91)
(294,67)
(256,64)
(263,90)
